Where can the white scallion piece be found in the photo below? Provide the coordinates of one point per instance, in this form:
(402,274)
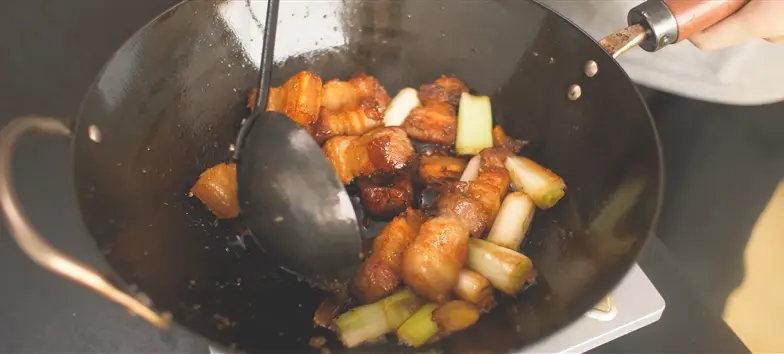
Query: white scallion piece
(368,322)
(543,186)
(472,169)
(398,109)
(513,220)
(507,270)
(474,288)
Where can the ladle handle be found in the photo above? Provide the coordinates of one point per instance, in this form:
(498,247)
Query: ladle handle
(31,241)
(265,72)
(671,21)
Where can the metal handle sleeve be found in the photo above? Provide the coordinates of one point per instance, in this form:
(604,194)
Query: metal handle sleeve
(671,21)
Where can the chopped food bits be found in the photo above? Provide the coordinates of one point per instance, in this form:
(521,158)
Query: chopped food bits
(217,189)
(406,100)
(454,239)
(475,125)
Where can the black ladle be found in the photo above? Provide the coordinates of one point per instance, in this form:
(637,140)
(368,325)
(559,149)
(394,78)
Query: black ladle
(290,196)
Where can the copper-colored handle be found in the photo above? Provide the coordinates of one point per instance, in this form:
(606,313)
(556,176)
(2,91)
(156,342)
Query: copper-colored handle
(693,16)
(31,241)
(655,24)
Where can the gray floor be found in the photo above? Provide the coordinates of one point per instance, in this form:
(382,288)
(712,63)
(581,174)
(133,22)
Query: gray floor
(722,165)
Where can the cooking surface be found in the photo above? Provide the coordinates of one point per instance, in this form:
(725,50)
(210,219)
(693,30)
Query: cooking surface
(47,72)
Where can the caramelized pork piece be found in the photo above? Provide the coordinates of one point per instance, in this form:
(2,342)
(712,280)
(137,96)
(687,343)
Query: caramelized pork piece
(253,95)
(329,309)
(428,198)
(383,150)
(217,189)
(477,202)
(350,107)
(455,201)
(388,149)
(432,264)
(501,140)
(489,188)
(493,159)
(445,90)
(339,95)
(274,101)
(440,169)
(353,121)
(435,123)
(369,87)
(435,150)
(299,98)
(497,178)
(386,199)
(335,149)
(492,184)
(380,274)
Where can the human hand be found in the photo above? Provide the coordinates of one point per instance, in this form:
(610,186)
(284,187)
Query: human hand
(759,19)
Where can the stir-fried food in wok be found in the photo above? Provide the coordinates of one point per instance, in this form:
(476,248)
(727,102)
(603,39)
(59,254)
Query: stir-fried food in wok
(440,169)
(384,150)
(434,123)
(217,188)
(384,197)
(381,273)
(350,107)
(436,266)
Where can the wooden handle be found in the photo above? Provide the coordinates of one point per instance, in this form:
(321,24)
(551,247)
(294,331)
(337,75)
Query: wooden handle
(694,16)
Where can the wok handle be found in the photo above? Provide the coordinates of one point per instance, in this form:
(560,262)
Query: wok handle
(695,16)
(34,245)
(671,21)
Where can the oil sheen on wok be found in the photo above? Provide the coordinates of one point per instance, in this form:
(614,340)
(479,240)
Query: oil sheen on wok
(458,198)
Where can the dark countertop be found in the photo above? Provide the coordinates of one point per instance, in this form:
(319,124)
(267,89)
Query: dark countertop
(686,326)
(52,50)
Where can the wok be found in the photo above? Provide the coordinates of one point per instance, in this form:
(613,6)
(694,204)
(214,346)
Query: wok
(169,103)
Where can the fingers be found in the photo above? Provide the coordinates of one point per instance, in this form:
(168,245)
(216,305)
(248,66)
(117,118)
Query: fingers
(777,39)
(758,19)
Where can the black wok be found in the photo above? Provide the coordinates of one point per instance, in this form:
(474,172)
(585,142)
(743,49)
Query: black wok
(169,104)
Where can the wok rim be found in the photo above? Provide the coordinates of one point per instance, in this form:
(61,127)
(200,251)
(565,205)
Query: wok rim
(120,281)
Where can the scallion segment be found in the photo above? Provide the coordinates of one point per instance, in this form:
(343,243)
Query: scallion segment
(512,222)
(474,124)
(543,186)
(507,270)
(398,109)
(418,328)
(474,288)
(455,316)
(472,169)
(368,322)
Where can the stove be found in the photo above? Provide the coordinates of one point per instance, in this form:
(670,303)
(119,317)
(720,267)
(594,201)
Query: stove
(633,304)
